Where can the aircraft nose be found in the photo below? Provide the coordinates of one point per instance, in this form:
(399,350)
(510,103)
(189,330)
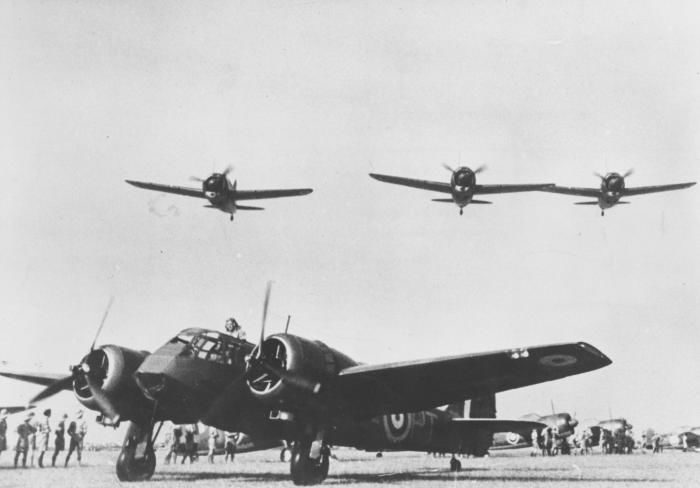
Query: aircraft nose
(573,423)
(151,384)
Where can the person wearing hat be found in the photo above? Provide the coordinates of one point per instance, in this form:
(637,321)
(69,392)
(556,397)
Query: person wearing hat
(76,431)
(3,430)
(44,430)
(235,329)
(24,430)
(60,441)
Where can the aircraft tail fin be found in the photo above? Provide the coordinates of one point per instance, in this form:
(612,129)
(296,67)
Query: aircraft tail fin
(445,200)
(480,202)
(247,207)
(586,203)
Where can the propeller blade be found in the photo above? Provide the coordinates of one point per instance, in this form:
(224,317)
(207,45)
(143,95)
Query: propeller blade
(105,404)
(480,169)
(227,170)
(197,179)
(448,168)
(629,172)
(595,173)
(102,323)
(52,389)
(264,318)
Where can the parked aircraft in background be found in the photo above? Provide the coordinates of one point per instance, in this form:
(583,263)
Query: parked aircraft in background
(462,186)
(564,423)
(612,189)
(290,388)
(221,193)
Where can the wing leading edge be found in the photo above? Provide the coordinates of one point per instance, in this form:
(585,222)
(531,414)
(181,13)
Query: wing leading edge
(642,190)
(491,189)
(178,190)
(259,194)
(422,184)
(368,390)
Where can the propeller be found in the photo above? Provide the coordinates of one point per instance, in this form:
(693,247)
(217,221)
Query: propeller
(629,172)
(225,172)
(259,361)
(83,370)
(595,173)
(448,168)
(479,169)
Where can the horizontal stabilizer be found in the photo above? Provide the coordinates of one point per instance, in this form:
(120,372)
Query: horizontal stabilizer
(446,200)
(586,203)
(480,202)
(246,207)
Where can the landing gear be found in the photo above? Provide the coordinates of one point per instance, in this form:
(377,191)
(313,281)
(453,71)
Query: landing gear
(305,469)
(231,217)
(137,460)
(461,211)
(602,213)
(285,455)
(455,464)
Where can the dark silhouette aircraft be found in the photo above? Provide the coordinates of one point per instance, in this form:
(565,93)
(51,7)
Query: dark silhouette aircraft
(564,423)
(462,186)
(612,189)
(221,193)
(301,390)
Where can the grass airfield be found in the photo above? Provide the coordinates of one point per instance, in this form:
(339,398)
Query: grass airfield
(263,469)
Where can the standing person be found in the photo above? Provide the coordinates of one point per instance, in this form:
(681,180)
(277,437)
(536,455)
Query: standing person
(77,430)
(230,448)
(24,430)
(534,439)
(60,441)
(190,444)
(546,441)
(175,444)
(44,429)
(3,430)
(212,444)
(235,329)
(32,439)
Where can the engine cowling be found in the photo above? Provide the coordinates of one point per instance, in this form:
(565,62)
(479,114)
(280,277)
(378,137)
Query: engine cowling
(303,365)
(111,369)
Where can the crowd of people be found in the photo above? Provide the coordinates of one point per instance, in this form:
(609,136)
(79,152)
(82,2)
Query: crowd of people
(182,441)
(34,438)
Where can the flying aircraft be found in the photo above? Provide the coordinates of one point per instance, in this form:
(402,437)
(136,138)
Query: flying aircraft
(612,189)
(221,193)
(563,421)
(300,390)
(462,186)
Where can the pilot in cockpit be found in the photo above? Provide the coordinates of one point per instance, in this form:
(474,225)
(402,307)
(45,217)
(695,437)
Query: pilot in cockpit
(235,329)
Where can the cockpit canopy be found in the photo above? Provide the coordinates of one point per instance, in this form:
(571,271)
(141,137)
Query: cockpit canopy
(214,346)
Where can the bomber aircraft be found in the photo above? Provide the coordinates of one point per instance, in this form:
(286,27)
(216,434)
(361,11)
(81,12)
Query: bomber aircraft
(612,189)
(564,423)
(221,193)
(462,186)
(300,390)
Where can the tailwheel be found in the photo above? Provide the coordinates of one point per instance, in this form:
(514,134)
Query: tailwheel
(137,460)
(306,470)
(461,211)
(455,464)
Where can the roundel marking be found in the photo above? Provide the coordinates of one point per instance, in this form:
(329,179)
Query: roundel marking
(558,360)
(512,438)
(397,426)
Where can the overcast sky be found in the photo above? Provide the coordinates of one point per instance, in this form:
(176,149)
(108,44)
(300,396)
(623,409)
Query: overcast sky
(318,94)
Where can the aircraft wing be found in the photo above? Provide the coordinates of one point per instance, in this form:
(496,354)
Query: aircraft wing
(178,190)
(369,390)
(641,190)
(258,194)
(422,184)
(491,189)
(571,190)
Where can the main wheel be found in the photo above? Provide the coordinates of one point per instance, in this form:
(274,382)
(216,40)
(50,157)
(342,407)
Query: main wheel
(131,468)
(306,471)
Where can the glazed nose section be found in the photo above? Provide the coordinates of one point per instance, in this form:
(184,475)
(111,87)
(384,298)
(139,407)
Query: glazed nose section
(573,423)
(151,377)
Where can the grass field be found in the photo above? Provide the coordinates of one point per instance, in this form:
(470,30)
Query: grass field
(515,469)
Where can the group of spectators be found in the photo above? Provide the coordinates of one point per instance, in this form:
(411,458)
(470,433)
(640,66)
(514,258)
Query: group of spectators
(34,436)
(183,442)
